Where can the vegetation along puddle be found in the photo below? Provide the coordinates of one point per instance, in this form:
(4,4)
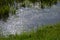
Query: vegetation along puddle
(26,18)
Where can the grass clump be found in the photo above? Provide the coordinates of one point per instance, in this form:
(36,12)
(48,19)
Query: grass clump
(4,12)
(5,8)
(49,32)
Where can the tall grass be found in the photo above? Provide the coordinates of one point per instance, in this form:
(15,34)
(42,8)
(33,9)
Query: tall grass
(47,32)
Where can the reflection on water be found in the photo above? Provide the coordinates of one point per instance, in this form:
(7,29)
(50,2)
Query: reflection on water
(25,18)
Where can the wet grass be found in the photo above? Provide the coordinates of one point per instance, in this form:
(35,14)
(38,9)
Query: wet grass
(47,32)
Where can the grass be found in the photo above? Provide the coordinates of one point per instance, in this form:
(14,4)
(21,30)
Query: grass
(4,12)
(47,32)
